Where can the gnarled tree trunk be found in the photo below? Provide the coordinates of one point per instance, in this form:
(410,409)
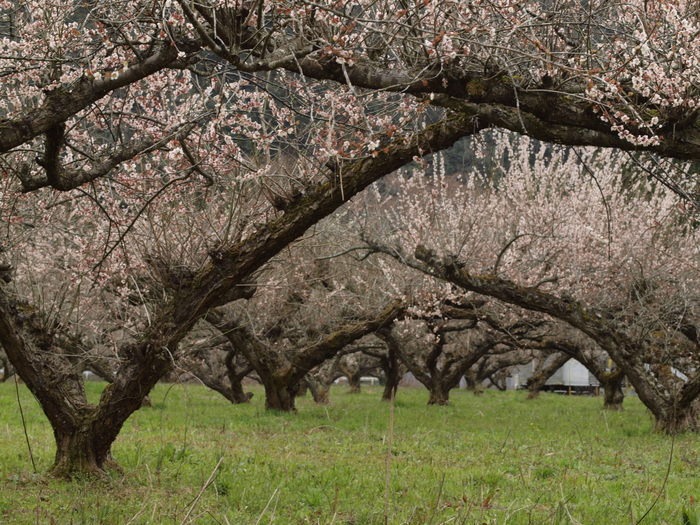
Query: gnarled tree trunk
(390,364)
(280,372)
(238,394)
(674,405)
(79,451)
(678,419)
(217,283)
(472,382)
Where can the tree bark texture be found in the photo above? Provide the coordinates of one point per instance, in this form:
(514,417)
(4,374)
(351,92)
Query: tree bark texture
(392,373)
(280,395)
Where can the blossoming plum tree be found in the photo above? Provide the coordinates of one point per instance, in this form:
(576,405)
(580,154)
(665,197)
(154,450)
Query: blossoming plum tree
(125,105)
(306,311)
(119,107)
(575,235)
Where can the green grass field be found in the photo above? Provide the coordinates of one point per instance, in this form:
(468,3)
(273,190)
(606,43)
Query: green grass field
(497,458)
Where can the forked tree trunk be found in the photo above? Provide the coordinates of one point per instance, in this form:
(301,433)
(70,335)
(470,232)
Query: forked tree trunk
(84,442)
(78,453)
(281,376)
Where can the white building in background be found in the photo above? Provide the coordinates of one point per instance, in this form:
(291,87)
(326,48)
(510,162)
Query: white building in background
(572,375)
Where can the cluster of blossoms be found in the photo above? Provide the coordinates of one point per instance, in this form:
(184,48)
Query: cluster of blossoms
(579,223)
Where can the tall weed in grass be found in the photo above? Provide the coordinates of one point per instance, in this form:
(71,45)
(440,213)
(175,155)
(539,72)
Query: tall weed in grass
(494,459)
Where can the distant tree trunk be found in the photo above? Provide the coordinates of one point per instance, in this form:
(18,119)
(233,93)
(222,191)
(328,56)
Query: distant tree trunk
(282,373)
(611,383)
(673,405)
(545,369)
(279,394)
(354,383)
(437,380)
(390,364)
(301,388)
(439,394)
(7,370)
(235,377)
(392,372)
(499,381)
(472,381)
(319,391)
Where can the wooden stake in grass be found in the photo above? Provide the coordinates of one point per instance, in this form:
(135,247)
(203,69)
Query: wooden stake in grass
(387,474)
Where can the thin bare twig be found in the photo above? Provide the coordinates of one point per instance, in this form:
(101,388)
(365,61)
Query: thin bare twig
(208,482)
(24,425)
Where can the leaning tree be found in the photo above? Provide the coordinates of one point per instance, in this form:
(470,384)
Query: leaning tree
(125,112)
(310,305)
(213,361)
(576,236)
(441,347)
(355,361)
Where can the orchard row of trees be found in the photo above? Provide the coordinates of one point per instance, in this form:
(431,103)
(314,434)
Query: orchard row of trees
(179,175)
(582,240)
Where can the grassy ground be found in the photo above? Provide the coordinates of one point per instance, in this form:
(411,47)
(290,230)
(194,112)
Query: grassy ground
(498,458)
